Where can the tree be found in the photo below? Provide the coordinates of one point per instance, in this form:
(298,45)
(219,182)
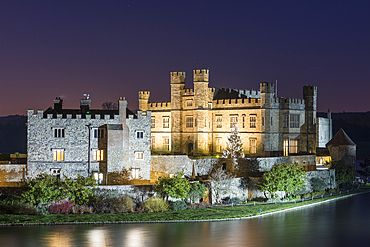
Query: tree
(220,182)
(47,188)
(109,106)
(365,169)
(343,173)
(234,145)
(284,177)
(176,187)
(196,192)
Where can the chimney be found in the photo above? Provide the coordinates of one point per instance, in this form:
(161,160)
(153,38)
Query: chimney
(58,104)
(122,105)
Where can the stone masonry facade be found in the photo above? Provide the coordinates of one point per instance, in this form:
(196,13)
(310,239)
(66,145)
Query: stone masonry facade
(198,120)
(67,142)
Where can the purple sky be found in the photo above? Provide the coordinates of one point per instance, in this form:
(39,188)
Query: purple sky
(116,48)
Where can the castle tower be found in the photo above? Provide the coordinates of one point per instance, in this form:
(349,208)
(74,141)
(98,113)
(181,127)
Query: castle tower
(310,98)
(267,115)
(144,98)
(201,99)
(177,89)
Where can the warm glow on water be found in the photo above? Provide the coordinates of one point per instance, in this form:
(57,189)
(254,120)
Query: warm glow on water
(340,223)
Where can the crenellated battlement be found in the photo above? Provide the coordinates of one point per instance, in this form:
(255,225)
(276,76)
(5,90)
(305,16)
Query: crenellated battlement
(309,91)
(267,87)
(40,115)
(188,92)
(144,95)
(159,106)
(177,77)
(291,103)
(201,75)
(229,103)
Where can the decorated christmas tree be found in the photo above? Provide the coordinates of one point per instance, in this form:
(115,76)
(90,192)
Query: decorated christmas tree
(234,145)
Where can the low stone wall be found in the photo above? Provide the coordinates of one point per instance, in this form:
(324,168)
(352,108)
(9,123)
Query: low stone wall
(327,176)
(235,187)
(137,192)
(12,174)
(172,164)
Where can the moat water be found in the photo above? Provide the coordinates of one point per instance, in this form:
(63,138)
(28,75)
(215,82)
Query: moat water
(345,222)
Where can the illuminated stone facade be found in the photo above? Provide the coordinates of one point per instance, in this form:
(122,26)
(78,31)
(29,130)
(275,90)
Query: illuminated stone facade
(198,120)
(86,141)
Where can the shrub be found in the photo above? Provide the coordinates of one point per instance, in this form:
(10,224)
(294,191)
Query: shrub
(197,191)
(155,204)
(122,204)
(306,196)
(178,205)
(234,200)
(199,205)
(82,209)
(176,187)
(318,184)
(333,190)
(61,207)
(318,193)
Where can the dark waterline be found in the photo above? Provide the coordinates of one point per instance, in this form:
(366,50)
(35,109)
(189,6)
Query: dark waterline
(344,222)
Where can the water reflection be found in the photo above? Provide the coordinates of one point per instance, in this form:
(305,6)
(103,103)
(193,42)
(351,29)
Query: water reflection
(340,223)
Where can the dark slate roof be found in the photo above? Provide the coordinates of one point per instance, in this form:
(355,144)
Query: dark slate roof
(322,152)
(92,112)
(340,138)
(228,93)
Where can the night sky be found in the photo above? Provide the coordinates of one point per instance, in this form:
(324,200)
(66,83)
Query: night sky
(116,48)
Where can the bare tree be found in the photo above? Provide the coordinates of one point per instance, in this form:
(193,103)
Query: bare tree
(220,183)
(109,106)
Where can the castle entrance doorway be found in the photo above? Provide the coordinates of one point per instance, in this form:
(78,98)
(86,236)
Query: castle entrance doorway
(190,148)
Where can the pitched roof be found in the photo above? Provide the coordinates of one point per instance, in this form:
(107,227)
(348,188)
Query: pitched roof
(340,138)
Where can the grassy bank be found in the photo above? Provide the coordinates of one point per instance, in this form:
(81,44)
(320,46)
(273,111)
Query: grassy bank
(186,215)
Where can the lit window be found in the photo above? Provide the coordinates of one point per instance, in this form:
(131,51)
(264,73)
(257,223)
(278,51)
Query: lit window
(189,121)
(58,154)
(139,155)
(166,144)
(139,134)
(285,121)
(293,146)
(294,121)
(252,146)
(218,121)
(98,133)
(189,102)
(166,122)
(59,132)
(135,173)
(153,122)
(233,120)
(98,155)
(286,147)
(253,121)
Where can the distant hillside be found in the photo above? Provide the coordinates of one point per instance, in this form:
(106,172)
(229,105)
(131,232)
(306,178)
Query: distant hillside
(357,127)
(13,134)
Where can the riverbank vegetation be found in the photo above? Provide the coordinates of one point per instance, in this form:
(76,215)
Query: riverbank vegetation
(209,213)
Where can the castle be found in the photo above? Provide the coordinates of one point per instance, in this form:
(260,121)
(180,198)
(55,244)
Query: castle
(88,142)
(198,120)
